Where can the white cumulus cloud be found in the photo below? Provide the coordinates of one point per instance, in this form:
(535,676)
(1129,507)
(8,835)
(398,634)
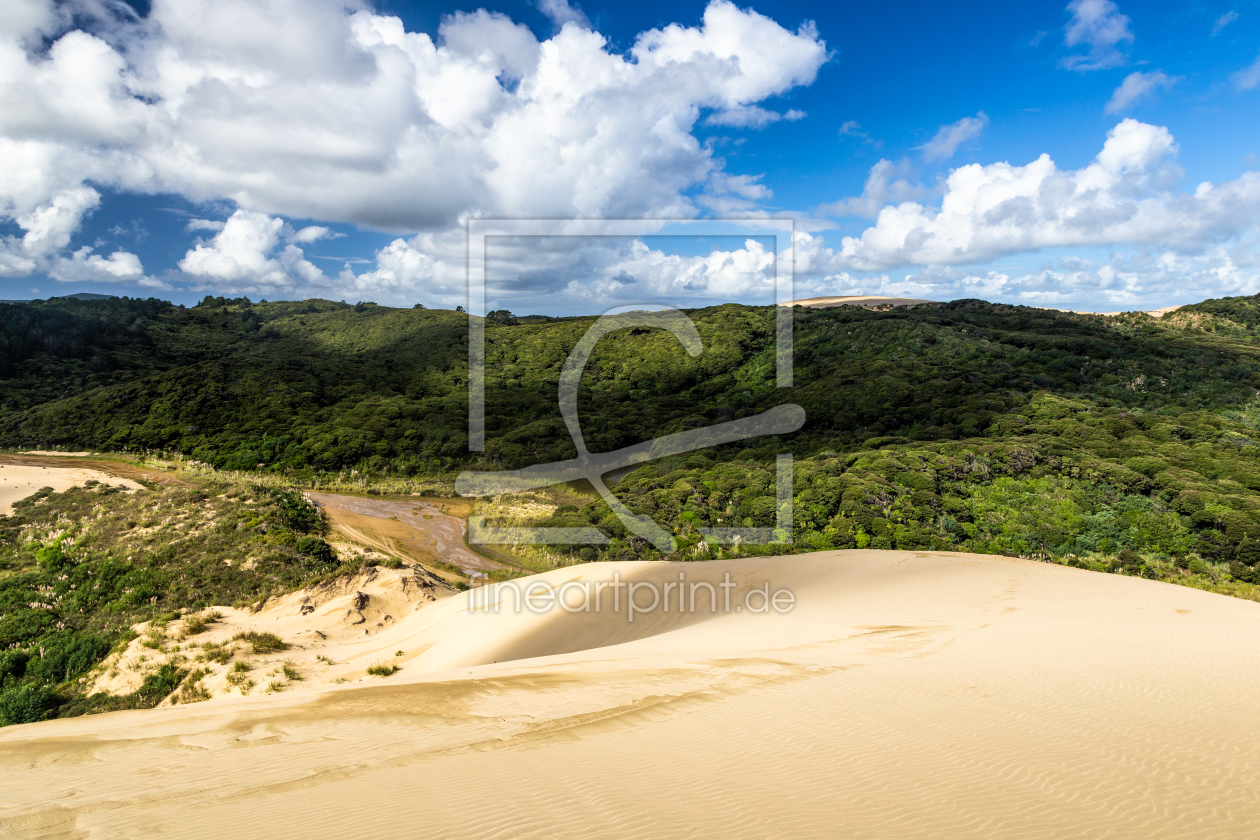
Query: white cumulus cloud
(561,12)
(48,229)
(118,267)
(249,254)
(887,183)
(1125,196)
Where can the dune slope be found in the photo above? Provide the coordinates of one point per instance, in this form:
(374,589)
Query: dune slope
(906,695)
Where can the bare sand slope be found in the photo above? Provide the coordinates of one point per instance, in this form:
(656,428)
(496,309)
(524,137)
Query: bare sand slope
(907,695)
(19,481)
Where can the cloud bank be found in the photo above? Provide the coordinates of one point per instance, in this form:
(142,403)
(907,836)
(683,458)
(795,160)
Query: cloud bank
(323,109)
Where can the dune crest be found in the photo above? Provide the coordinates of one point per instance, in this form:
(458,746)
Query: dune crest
(904,695)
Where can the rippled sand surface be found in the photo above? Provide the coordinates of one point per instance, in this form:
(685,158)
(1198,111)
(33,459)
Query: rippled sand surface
(907,695)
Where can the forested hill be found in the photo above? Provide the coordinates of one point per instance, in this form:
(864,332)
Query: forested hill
(911,412)
(324,386)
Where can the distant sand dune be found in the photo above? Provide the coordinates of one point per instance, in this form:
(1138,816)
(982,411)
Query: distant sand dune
(867,301)
(907,695)
(1154,313)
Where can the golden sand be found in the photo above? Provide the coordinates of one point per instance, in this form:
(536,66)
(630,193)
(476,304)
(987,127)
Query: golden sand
(907,695)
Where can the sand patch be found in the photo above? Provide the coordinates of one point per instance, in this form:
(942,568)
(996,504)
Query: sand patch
(865,301)
(17,482)
(55,454)
(907,695)
(116,468)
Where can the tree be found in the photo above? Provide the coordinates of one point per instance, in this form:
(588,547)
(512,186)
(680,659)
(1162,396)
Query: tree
(502,317)
(1248,552)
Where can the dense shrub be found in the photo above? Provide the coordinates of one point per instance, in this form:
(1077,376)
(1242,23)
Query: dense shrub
(27,704)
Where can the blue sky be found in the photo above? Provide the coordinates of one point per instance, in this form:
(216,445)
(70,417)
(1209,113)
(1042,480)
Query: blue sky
(290,149)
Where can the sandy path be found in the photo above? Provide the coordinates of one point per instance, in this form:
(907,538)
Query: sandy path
(415,530)
(18,482)
(908,695)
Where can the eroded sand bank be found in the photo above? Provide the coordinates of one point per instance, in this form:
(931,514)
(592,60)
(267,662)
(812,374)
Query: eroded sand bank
(907,695)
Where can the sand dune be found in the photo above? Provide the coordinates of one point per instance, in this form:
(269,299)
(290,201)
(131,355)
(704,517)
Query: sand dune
(906,695)
(19,481)
(866,301)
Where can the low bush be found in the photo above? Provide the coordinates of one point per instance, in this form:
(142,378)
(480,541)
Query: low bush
(27,704)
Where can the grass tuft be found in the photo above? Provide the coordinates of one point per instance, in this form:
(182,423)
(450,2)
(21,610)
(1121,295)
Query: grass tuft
(262,642)
(196,624)
(191,690)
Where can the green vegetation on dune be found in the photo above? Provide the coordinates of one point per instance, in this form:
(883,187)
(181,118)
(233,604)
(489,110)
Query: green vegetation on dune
(78,568)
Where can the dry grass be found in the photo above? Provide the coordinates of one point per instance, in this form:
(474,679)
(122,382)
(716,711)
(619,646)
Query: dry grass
(197,624)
